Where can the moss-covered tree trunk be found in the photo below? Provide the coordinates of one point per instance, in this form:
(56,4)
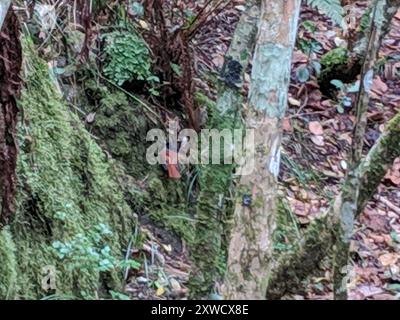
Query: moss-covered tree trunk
(346,204)
(293,267)
(215,179)
(251,246)
(71,221)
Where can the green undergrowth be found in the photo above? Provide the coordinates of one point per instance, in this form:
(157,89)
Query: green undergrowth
(335,57)
(305,176)
(8,265)
(287,230)
(167,204)
(121,127)
(71,214)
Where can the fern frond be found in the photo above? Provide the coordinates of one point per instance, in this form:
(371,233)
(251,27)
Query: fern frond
(332,8)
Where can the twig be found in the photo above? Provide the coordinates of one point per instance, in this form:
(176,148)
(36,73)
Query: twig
(390,205)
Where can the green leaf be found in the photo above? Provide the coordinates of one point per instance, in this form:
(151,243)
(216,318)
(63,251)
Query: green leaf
(177,69)
(316,66)
(302,74)
(354,88)
(346,102)
(340,108)
(309,26)
(338,84)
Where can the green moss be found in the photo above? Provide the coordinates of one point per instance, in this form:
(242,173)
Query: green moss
(335,57)
(214,204)
(337,64)
(204,101)
(67,190)
(166,204)
(121,126)
(287,231)
(8,265)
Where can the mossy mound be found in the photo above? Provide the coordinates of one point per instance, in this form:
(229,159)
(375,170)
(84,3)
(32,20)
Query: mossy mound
(121,126)
(71,214)
(338,64)
(335,57)
(167,203)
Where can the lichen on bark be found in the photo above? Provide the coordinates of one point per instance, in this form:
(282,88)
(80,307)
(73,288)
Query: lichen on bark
(251,245)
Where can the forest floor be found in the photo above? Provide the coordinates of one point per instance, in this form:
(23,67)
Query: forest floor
(317,138)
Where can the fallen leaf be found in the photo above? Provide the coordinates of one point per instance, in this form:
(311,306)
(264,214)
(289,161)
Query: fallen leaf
(343,164)
(318,140)
(368,290)
(174,285)
(294,102)
(90,117)
(286,125)
(167,247)
(144,24)
(378,86)
(160,291)
(384,296)
(388,259)
(394,174)
(218,61)
(316,128)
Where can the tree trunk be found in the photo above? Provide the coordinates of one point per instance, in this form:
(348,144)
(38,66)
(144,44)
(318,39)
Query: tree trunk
(10,86)
(4,5)
(292,268)
(215,179)
(346,205)
(254,218)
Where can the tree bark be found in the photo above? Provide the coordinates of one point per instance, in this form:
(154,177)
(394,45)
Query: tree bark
(215,179)
(293,267)
(4,5)
(346,205)
(250,248)
(10,86)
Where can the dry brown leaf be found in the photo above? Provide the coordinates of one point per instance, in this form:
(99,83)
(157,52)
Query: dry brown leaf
(316,128)
(394,174)
(389,259)
(378,86)
(286,125)
(294,102)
